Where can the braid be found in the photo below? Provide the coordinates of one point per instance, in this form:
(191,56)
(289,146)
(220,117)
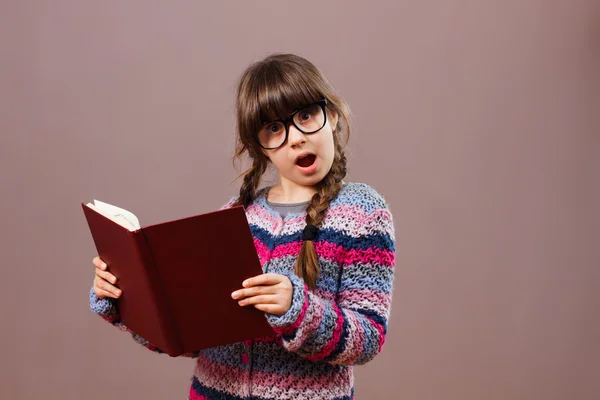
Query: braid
(251,182)
(307,265)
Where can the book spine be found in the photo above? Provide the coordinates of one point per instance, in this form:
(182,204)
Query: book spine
(173,346)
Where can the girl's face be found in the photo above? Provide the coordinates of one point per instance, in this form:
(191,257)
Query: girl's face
(305,159)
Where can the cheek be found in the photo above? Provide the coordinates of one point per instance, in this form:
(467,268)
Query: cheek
(329,148)
(279,162)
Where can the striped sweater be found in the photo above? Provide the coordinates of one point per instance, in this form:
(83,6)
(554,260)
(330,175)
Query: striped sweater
(341,323)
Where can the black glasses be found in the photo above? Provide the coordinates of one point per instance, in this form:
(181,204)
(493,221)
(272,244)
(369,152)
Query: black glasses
(308,119)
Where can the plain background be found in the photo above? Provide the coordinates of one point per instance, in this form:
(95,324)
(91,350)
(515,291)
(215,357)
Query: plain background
(477,120)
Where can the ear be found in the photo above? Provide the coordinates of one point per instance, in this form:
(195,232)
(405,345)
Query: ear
(333,119)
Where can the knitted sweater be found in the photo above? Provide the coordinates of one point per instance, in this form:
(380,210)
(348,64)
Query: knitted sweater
(328,330)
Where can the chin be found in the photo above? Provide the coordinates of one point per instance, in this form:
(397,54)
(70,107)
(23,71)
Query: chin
(312,180)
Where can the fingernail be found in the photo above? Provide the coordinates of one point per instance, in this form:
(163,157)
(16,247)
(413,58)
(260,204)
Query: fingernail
(241,302)
(119,292)
(234,294)
(245,284)
(103,265)
(113,280)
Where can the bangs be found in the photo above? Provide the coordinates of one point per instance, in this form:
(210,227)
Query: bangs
(279,91)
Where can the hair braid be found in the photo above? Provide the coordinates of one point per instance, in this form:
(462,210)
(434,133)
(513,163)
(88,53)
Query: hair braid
(307,265)
(251,181)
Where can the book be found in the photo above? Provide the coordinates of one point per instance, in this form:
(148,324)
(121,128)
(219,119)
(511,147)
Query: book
(177,276)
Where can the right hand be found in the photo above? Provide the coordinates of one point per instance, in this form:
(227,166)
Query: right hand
(104,281)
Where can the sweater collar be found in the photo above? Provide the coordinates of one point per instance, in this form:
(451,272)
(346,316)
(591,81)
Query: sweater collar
(261,201)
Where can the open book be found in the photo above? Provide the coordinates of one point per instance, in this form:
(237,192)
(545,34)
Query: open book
(177,276)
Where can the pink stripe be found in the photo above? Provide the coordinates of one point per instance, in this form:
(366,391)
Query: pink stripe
(112,319)
(257,211)
(338,254)
(381,333)
(219,376)
(357,216)
(267,384)
(335,338)
(196,396)
(382,257)
(365,298)
(261,250)
(290,328)
(289,249)
(344,210)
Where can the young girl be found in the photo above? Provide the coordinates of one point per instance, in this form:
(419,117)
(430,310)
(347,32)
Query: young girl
(326,248)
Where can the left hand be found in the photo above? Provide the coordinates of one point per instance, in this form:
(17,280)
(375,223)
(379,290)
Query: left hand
(271,293)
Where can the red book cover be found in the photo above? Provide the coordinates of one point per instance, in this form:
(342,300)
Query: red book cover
(177,277)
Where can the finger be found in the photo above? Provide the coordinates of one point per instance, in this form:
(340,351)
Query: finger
(270,308)
(264,279)
(99,263)
(104,285)
(101,293)
(264,299)
(253,291)
(107,276)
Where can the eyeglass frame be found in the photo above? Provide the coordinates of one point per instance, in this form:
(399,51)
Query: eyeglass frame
(290,119)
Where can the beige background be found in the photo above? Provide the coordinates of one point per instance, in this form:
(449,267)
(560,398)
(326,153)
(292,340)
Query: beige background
(477,120)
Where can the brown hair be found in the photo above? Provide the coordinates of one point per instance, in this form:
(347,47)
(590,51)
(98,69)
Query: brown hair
(272,88)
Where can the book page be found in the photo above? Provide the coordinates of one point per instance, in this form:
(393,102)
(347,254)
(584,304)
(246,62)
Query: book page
(119,215)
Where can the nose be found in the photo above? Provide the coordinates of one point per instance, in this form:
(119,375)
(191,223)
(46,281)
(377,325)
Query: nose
(295,137)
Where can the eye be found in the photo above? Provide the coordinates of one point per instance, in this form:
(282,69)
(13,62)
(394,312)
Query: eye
(308,115)
(274,128)
(304,115)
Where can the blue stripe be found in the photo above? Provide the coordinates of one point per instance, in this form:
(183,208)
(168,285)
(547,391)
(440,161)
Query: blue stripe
(327,283)
(378,240)
(382,283)
(262,235)
(369,346)
(362,195)
(341,346)
(374,316)
(323,332)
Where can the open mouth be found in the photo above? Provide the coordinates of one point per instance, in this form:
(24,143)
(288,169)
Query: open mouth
(306,161)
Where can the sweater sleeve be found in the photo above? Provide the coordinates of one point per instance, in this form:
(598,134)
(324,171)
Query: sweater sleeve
(352,329)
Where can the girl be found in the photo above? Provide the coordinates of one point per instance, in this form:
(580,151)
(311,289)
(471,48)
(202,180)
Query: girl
(326,248)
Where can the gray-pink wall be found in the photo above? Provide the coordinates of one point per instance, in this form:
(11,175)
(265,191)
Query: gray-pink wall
(477,120)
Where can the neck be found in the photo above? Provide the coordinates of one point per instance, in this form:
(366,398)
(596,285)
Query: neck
(290,192)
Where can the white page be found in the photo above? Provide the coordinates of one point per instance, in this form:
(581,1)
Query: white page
(118,213)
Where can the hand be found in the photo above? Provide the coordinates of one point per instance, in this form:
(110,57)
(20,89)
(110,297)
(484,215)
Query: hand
(271,293)
(104,281)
